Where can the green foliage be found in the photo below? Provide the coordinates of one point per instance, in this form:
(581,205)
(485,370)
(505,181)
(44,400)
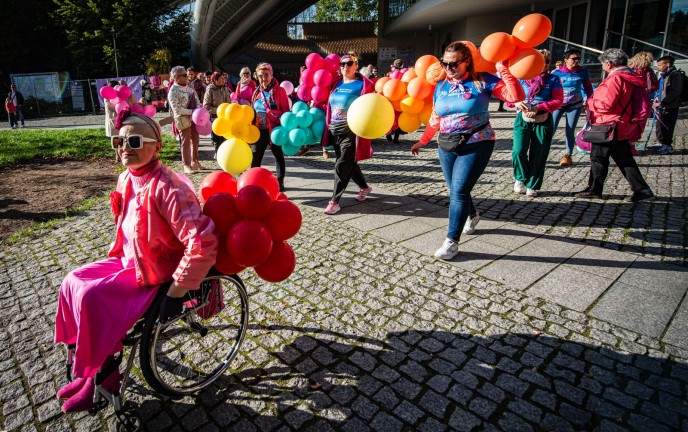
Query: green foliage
(159,62)
(345,10)
(19,146)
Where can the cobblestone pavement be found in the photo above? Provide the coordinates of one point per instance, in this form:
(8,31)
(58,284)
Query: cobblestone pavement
(371,335)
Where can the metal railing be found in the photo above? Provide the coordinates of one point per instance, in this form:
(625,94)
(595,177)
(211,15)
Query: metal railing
(650,44)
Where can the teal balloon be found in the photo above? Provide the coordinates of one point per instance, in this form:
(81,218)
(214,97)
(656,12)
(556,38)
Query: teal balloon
(289,121)
(317,114)
(310,138)
(305,118)
(290,150)
(297,137)
(299,106)
(279,136)
(318,127)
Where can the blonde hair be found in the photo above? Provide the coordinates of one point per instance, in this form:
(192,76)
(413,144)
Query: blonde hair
(641,60)
(245,69)
(547,55)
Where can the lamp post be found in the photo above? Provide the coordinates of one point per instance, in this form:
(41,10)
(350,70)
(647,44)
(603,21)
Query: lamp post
(114,42)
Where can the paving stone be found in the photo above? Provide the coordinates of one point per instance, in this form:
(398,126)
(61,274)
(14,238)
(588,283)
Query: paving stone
(556,286)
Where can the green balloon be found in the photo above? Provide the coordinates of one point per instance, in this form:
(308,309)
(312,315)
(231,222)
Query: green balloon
(289,121)
(299,106)
(279,136)
(290,150)
(317,114)
(297,137)
(305,118)
(318,127)
(310,138)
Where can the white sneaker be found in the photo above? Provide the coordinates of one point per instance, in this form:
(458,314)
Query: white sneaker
(469,228)
(519,187)
(449,250)
(531,193)
(187,169)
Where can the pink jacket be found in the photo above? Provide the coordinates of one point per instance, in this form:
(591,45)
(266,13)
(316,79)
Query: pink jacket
(611,97)
(174,240)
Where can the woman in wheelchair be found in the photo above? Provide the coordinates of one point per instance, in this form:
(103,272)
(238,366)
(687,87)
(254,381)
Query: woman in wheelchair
(161,235)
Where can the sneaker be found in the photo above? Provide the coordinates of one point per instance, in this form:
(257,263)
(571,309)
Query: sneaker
(23,126)
(389,137)
(665,149)
(188,169)
(531,193)
(566,160)
(519,187)
(363,193)
(640,196)
(588,194)
(449,249)
(332,208)
(469,228)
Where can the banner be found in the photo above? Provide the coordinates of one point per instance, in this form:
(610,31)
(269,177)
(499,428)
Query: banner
(134,83)
(44,86)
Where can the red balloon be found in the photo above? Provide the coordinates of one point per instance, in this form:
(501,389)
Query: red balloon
(225,263)
(279,265)
(253,202)
(249,242)
(284,220)
(282,196)
(262,177)
(222,209)
(219,181)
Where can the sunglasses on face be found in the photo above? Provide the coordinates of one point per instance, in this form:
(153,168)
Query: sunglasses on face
(574,58)
(135,142)
(452,65)
(347,63)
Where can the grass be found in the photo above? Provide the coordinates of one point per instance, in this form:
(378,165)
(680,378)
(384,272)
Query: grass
(22,146)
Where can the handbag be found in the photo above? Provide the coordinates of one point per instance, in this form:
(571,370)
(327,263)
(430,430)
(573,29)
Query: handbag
(601,133)
(456,140)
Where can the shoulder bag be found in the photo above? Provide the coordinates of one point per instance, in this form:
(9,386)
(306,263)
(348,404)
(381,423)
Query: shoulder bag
(601,133)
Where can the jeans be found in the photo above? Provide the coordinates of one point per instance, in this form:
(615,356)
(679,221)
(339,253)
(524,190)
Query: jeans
(346,168)
(190,140)
(531,148)
(462,168)
(259,150)
(572,115)
(666,123)
(620,151)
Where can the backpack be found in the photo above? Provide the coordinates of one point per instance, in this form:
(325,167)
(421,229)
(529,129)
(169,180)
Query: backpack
(684,86)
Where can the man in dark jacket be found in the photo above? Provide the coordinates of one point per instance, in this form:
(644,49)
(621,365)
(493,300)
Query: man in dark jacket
(18,100)
(667,103)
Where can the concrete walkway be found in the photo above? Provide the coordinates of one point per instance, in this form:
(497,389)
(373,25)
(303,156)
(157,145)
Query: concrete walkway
(557,315)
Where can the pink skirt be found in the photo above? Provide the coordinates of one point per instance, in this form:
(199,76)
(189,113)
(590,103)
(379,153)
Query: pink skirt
(97,305)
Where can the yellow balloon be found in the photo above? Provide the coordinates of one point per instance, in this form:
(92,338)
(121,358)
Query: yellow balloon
(252,134)
(239,130)
(221,110)
(247,114)
(232,111)
(370,116)
(234,156)
(221,126)
(411,105)
(426,112)
(409,122)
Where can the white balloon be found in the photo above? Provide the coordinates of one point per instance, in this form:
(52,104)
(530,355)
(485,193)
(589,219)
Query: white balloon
(287,86)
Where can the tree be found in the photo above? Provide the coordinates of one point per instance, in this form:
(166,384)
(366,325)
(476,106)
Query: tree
(345,10)
(160,62)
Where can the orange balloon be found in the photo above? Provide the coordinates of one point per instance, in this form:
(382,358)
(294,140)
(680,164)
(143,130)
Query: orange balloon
(394,89)
(479,63)
(380,84)
(423,63)
(396,104)
(411,105)
(526,63)
(419,88)
(435,73)
(408,75)
(497,47)
(409,122)
(531,30)
(425,113)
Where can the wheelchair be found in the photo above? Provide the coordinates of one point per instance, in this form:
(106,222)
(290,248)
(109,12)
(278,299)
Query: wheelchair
(183,355)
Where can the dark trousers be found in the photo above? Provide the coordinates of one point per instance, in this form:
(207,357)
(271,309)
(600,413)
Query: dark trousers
(259,150)
(20,115)
(666,123)
(620,151)
(13,119)
(346,168)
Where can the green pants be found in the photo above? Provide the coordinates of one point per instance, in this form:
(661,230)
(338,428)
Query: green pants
(531,148)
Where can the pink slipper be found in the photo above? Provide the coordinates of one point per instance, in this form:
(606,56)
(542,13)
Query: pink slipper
(70,389)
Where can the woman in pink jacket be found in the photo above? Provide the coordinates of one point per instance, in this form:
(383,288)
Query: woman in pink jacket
(161,235)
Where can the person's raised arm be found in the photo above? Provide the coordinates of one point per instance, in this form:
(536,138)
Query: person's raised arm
(508,89)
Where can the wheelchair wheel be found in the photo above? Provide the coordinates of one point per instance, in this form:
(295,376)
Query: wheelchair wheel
(184,355)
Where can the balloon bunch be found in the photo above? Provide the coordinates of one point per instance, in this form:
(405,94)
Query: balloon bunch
(524,61)
(316,78)
(201,119)
(234,123)
(242,97)
(118,95)
(253,221)
(300,126)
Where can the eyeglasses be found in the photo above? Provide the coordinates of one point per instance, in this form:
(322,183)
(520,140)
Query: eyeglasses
(135,142)
(452,65)
(574,58)
(246,73)
(347,63)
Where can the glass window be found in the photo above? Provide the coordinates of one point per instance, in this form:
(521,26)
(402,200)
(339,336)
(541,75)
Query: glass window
(561,23)
(597,23)
(577,28)
(616,17)
(677,39)
(646,20)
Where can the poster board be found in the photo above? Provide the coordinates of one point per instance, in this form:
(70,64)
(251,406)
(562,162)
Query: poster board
(44,86)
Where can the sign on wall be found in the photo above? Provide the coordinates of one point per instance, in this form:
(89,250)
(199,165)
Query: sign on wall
(44,86)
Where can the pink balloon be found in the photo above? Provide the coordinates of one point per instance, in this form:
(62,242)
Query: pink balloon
(122,106)
(320,94)
(187,182)
(314,61)
(396,75)
(307,77)
(246,93)
(200,116)
(244,102)
(304,93)
(124,92)
(204,129)
(403,71)
(332,62)
(108,92)
(137,108)
(114,101)
(288,87)
(233,96)
(322,78)
(117,87)
(150,111)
